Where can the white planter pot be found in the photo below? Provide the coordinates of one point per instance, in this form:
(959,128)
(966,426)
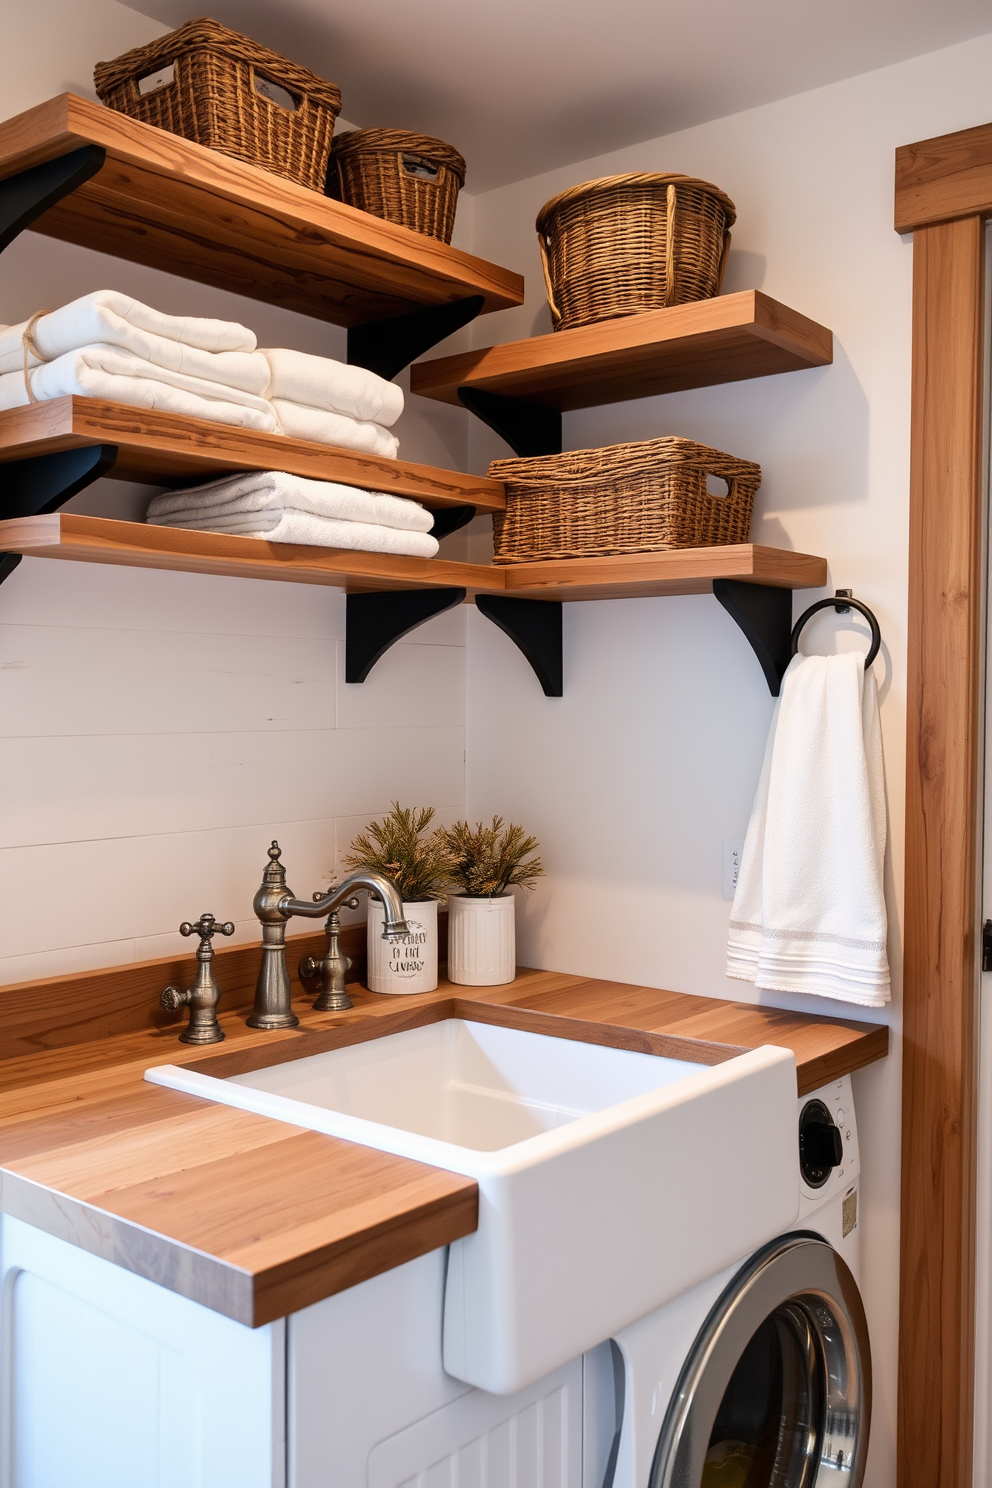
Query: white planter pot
(409,965)
(482,942)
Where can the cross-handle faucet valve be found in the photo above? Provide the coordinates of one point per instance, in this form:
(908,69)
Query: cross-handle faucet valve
(274,905)
(332,995)
(204,995)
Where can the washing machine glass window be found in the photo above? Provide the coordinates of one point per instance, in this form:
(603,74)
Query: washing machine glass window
(776,1390)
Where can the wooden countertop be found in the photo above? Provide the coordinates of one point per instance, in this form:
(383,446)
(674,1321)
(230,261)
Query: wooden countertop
(256,1218)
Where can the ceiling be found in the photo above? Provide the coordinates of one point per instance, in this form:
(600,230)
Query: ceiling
(522,86)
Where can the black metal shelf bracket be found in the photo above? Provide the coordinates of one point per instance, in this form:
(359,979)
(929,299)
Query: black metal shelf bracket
(387,346)
(42,483)
(376,621)
(449,519)
(764,614)
(26,196)
(533,625)
(528,428)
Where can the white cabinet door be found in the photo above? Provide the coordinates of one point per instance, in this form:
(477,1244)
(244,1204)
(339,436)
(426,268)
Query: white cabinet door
(109,1381)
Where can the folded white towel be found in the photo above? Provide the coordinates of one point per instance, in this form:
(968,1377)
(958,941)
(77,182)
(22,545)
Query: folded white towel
(118,320)
(276,491)
(119,376)
(317,532)
(809,911)
(321,427)
(320,382)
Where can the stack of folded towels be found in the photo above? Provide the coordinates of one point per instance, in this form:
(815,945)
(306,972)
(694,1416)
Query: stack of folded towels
(279,507)
(108,345)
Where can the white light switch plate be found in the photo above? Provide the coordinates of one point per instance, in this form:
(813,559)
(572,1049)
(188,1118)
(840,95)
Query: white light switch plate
(732,849)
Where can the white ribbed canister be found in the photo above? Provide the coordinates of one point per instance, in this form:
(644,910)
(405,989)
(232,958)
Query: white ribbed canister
(411,964)
(482,942)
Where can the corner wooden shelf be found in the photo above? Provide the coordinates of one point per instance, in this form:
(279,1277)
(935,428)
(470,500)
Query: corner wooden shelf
(137,545)
(642,575)
(164,448)
(164,202)
(727,339)
(647,575)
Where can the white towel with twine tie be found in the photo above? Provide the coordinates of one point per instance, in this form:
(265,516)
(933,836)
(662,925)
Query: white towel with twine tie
(809,911)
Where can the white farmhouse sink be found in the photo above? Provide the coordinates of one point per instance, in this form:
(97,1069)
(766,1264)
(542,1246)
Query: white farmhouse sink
(609,1180)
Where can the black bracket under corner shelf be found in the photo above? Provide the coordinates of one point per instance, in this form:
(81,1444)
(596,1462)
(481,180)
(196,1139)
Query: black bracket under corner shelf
(26,196)
(764,614)
(528,428)
(40,484)
(387,346)
(535,627)
(376,621)
(449,519)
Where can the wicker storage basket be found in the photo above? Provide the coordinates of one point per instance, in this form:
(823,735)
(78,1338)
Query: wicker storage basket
(411,179)
(221,89)
(627,498)
(624,244)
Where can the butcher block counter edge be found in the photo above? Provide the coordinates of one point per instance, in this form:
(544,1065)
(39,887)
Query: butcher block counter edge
(255,1218)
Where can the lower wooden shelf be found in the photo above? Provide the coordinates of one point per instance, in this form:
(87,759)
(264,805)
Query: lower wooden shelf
(167,449)
(640,575)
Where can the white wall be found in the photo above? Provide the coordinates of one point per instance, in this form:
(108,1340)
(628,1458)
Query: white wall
(158,729)
(636,776)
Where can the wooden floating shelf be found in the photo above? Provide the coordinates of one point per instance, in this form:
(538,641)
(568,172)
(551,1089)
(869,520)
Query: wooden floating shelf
(647,575)
(642,575)
(166,449)
(162,201)
(726,339)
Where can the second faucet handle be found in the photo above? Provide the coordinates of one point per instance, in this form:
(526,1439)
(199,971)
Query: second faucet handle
(206,927)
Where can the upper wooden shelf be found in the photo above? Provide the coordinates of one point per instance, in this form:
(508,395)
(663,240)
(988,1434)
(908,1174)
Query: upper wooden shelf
(137,545)
(165,449)
(726,339)
(173,205)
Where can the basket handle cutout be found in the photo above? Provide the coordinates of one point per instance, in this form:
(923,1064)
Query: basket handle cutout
(273,93)
(718,485)
(555,312)
(153,82)
(419,168)
(670,204)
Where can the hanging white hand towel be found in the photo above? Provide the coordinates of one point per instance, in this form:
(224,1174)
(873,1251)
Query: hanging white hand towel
(321,382)
(809,911)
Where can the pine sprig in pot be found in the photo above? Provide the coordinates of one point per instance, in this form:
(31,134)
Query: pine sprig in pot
(420,863)
(489,860)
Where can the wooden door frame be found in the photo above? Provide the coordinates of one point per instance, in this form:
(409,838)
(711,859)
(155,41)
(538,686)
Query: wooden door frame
(943,197)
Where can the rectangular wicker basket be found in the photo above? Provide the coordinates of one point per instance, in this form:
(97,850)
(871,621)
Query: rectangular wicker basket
(221,89)
(626,498)
(412,179)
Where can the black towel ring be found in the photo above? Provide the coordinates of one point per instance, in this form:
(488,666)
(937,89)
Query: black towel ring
(843,602)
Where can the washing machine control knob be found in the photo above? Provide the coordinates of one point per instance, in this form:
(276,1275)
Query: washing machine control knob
(821,1145)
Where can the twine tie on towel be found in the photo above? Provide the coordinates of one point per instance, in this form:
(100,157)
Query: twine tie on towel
(31,348)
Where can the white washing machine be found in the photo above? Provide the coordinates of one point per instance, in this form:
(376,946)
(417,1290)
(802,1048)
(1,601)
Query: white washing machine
(757,1378)
(762,1375)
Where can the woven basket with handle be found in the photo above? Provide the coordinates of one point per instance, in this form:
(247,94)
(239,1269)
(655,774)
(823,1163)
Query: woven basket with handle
(626,498)
(412,179)
(625,244)
(223,90)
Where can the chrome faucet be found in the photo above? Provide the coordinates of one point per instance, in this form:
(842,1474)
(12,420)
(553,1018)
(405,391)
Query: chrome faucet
(274,905)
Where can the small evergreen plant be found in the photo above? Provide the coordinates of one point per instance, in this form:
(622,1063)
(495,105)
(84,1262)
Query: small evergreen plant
(420,863)
(491,859)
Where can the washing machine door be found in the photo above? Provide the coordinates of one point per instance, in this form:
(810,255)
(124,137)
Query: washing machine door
(776,1390)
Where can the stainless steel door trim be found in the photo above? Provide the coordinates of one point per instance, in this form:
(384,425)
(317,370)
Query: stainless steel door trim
(803,1274)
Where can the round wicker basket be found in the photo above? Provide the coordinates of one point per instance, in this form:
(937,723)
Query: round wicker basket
(412,179)
(621,245)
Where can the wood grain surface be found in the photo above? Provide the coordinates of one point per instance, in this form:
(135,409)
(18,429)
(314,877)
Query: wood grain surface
(256,1218)
(162,201)
(725,339)
(943,842)
(938,180)
(82,539)
(680,571)
(166,449)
